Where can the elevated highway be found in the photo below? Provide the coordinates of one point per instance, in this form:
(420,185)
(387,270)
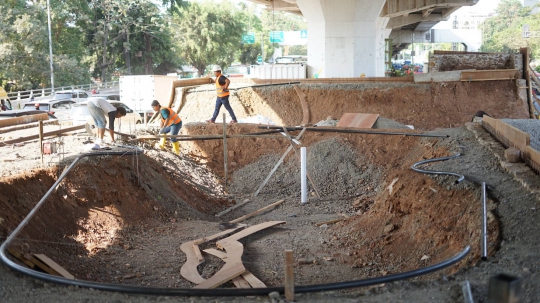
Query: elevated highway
(347,38)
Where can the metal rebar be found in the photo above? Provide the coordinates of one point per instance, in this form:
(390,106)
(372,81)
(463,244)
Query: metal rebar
(484,223)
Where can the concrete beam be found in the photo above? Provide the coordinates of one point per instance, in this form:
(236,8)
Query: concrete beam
(446,14)
(394,8)
(401,21)
(406,37)
(280,5)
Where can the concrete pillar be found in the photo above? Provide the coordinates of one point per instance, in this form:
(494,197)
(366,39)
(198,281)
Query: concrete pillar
(346,37)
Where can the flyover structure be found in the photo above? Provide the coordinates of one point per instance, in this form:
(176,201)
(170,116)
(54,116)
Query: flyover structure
(349,38)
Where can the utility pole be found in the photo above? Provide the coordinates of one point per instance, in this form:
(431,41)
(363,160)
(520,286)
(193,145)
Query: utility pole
(50,46)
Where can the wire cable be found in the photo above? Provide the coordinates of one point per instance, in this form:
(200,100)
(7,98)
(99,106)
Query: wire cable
(415,168)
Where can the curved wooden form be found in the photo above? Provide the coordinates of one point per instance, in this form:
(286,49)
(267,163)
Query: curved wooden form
(233,263)
(189,269)
(305,106)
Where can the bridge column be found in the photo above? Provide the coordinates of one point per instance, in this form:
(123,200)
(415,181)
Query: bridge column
(345,37)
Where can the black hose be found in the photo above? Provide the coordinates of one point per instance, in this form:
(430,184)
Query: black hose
(460,176)
(191,291)
(354,131)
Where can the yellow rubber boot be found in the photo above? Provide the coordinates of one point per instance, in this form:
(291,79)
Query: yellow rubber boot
(161,144)
(176,147)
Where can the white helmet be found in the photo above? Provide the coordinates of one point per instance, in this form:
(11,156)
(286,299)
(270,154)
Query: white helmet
(216,68)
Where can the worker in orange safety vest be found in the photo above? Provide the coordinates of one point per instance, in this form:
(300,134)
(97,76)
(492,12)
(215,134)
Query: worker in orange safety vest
(170,122)
(222,89)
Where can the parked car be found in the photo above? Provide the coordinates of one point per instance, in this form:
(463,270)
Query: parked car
(108,97)
(22,112)
(77,95)
(59,108)
(79,114)
(237,71)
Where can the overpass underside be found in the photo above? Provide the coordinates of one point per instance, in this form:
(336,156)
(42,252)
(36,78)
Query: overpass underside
(347,38)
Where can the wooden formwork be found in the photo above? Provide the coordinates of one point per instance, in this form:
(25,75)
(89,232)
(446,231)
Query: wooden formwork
(510,136)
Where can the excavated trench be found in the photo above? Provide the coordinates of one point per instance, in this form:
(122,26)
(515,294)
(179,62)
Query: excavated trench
(122,219)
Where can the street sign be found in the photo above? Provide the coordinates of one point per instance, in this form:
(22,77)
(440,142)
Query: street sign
(259,59)
(276,37)
(303,34)
(248,38)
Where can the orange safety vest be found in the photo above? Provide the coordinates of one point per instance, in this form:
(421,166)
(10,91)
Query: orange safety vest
(220,92)
(174,119)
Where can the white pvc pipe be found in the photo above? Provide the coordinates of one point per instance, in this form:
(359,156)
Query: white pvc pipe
(303,169)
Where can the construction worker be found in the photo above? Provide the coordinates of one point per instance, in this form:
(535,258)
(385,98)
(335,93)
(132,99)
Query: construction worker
(170,122)
(98,108)
(222,89)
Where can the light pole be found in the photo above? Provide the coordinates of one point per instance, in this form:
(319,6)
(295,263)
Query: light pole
(50,46)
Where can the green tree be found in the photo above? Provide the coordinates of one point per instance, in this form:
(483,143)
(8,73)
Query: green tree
(206,33)
(502,33)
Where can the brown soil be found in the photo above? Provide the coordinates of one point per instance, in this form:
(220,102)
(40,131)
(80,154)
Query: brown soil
(122,219)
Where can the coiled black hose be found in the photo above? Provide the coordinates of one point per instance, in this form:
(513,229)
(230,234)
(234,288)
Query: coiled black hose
(415,168)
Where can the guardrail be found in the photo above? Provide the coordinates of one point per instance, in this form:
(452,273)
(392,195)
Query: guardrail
(44,92)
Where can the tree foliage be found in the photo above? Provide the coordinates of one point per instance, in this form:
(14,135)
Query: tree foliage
(208,33)
(503,32)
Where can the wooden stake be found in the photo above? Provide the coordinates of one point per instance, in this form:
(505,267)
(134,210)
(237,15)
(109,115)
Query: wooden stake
(258,211)
(289,276)
(41,140)
(225,150)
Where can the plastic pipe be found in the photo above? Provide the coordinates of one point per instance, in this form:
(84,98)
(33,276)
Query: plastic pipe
(467,294)
(484,223)
(303,169)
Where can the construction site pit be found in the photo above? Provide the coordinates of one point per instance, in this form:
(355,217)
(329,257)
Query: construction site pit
(121,219)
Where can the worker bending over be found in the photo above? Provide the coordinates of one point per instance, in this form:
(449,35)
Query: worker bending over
(170,122)
(98,108)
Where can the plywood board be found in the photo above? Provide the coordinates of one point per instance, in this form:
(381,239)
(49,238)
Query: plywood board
(59,269)
(249,277)
(358,120)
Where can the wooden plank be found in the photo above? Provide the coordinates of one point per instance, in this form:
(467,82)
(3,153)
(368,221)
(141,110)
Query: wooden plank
(232,208)
(41,265)
(189,269)
(240,282)
(59,269)
(21,258)
(358,120)
(305,106)
(253,280)
(233,264)
(487,75)
(249,277)
(49,134)
(218,253)
(251,230)
(330,222)
(289,276)
(258,211)
(23,120)
(197,252)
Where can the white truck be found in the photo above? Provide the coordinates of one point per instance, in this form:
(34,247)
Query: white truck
(138,92)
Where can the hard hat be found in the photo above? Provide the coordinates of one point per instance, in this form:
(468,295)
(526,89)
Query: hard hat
(216,68)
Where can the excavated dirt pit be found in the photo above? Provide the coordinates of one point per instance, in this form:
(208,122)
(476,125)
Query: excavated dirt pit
(109,223)
(123,219)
